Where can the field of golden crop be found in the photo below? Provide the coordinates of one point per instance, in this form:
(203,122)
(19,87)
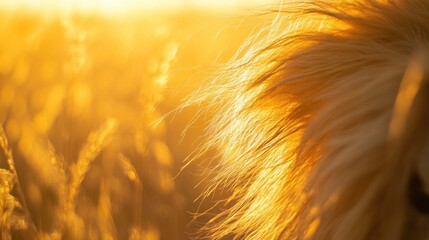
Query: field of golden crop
(92,138)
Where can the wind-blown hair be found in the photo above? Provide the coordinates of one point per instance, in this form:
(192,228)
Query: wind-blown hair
(304,125)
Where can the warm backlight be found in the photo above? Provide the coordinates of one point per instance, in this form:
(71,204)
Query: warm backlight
(125,6)
(91,123)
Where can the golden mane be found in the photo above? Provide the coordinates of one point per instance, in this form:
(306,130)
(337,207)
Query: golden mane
(302,125)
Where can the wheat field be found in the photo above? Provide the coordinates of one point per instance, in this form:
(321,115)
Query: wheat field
(92,144)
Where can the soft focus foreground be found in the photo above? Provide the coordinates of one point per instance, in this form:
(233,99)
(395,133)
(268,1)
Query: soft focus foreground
(90,144)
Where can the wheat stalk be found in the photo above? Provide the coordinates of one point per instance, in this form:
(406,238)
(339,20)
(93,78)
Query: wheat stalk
(9,180)
(95,143)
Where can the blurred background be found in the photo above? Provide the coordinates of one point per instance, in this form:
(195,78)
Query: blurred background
(93,141)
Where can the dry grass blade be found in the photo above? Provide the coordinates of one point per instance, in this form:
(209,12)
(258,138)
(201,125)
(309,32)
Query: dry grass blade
(95,143)
(129,169)
(132,174)
(104,212)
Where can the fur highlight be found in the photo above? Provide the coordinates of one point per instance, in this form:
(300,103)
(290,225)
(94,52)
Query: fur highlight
(302,125)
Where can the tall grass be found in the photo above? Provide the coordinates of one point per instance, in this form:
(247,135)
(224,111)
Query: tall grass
(81,157)
(86,150)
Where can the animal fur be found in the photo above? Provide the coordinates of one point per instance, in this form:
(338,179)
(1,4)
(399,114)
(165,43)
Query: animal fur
(305,125)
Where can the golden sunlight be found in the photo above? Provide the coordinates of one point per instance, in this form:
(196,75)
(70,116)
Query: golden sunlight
(126,6)
(91,141)
(214,119)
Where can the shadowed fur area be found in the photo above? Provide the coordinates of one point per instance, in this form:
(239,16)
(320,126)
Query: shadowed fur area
(304,125)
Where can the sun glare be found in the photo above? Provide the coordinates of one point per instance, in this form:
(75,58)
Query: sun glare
(122,6)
